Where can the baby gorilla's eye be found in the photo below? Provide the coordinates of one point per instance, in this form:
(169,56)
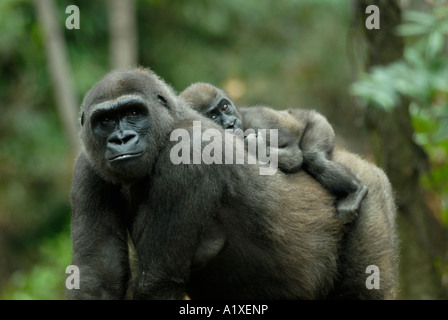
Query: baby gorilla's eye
(225,107)
(162,100)
(213,116)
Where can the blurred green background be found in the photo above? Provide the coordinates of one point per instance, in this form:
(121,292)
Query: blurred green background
(288,53)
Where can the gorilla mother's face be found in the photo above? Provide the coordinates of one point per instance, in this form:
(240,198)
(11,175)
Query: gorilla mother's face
(122,127)
(125,119)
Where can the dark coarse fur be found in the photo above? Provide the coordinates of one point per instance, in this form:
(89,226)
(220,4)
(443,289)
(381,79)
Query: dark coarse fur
(305,140)
(213,231)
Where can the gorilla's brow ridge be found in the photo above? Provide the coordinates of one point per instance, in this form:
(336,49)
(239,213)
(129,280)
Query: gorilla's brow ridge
(123,100)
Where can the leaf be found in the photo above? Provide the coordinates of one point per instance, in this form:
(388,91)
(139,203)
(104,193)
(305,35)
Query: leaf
(411,29)
(443,27)
(372,92)
(434,44)
(414,58)
(421,18)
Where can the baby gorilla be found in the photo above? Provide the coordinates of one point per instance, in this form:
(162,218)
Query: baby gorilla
(306,140)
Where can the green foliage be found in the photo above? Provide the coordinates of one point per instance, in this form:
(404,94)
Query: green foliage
(421,76)
(218,41)
(46,279)
(35,160)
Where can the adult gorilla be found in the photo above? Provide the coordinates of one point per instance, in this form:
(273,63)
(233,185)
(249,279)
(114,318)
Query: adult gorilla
(210,231)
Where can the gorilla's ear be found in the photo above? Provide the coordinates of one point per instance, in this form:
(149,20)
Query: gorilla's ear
(162,100)
(82,119)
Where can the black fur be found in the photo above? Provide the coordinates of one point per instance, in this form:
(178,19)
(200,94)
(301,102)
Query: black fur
(306,140)
(213,231)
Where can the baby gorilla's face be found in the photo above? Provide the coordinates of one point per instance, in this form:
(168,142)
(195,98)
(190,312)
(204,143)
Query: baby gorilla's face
(213,103)
(225,114)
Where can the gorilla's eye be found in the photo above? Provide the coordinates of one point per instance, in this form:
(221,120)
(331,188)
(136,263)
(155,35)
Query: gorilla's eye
(213,116)
(133,113)
(225,107)
(162,99)
(106,120)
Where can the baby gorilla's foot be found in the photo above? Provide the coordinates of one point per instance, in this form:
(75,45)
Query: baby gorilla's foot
(348,207)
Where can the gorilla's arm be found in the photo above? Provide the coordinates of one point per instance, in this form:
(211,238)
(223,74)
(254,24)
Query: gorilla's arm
(167,239)
(99,236)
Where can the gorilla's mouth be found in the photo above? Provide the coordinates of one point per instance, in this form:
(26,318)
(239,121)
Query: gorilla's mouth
(125,156)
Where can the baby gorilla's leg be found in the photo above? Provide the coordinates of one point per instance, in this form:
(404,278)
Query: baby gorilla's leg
(348,207)
(340,181)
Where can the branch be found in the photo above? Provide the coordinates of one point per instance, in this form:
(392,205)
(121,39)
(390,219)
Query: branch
(59,68)
(123,34)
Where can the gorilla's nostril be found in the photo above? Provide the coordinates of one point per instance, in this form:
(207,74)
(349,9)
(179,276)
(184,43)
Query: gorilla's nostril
(123,137)
(128,138)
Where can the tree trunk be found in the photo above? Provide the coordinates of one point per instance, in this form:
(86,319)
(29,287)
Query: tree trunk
(123,34)
(422,237)
(59,68)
